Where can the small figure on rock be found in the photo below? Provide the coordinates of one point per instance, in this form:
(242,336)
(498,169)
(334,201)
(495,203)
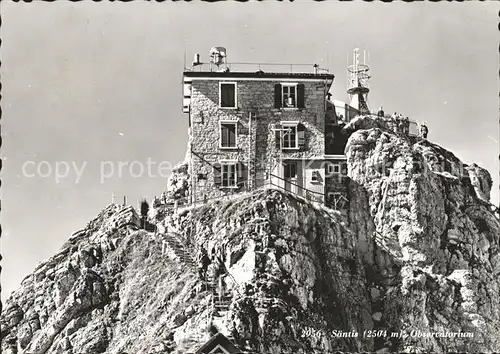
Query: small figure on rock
(380,112)
(144,206)
(406,125)
(220,268)
(423,130)
(401,125)
(203,263)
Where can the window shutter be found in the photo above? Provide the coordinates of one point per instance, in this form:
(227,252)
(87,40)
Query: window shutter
(301,130)
(241,129)
(277,135)
(277,96)
(300,96)
(242,175)
(217,174)
(231,96)
(232,135)
(223,95)
(223,135)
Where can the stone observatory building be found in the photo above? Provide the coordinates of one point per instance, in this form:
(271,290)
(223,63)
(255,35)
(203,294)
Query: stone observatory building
(249,128)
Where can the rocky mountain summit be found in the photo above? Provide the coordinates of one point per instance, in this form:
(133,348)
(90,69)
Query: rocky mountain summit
(412,266)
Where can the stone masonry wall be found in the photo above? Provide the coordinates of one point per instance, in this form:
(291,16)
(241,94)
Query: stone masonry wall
(252,96)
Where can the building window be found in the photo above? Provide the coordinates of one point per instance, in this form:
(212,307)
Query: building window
(227,94)
(202,179)
(289,95)
(334,169)
(290,137)
(228,134)
(315,177)
(228,174)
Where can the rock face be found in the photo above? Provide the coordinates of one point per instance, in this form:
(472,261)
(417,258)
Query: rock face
(417,255)
(432,240)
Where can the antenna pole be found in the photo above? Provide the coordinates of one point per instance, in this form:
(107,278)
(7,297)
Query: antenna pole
(185,53)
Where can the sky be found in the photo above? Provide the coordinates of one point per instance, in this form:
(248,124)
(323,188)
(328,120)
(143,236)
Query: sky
(92,92)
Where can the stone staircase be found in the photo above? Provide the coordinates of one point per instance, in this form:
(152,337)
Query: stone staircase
(222,302)
(176,250)
(222,299)
(173,247)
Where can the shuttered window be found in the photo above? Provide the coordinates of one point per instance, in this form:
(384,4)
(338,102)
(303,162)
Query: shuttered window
(228,134)
(228,95)
(289,95)
(290,135)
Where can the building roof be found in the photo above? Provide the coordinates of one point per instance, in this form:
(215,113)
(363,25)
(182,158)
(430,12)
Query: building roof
(258,75)
(218,340)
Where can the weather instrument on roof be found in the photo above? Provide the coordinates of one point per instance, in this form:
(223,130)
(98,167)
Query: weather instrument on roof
(358,76)
(218,55)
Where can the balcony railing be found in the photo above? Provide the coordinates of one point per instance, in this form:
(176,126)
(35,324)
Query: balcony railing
(273,181)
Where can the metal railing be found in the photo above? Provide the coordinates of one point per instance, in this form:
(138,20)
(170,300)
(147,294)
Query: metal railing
(257,67)
(413,128)
(201,198)
(280,183)
(308,194)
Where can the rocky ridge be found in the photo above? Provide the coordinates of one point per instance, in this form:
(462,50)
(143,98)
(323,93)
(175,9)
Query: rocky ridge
(418,252)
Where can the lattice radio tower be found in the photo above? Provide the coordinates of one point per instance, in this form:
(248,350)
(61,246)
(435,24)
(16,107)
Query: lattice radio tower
(358,76)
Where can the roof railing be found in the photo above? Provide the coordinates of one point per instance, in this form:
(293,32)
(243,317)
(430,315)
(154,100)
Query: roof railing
(256,67)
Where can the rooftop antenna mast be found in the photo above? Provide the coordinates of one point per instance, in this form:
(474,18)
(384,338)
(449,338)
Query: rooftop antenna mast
(185,53)
(358,83)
